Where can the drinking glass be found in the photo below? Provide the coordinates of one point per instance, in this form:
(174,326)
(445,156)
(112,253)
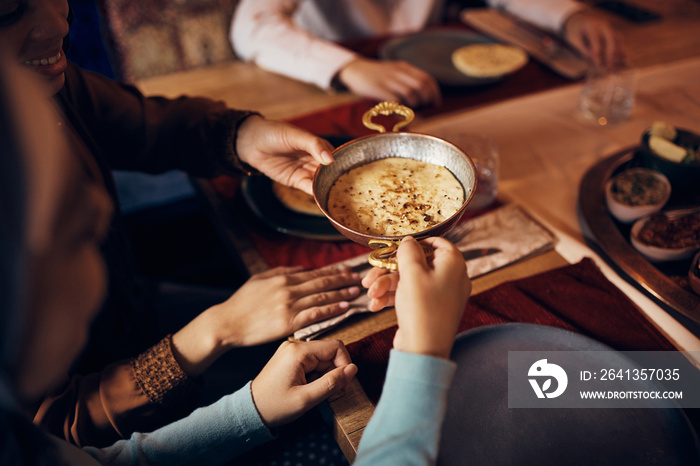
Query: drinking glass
(484,152)
(607,97)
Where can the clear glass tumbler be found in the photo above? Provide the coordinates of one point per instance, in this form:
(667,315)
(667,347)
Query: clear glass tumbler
(484,152)
(607,97)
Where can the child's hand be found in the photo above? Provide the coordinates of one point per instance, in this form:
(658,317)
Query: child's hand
(381,287)
(299,376)
(430,298)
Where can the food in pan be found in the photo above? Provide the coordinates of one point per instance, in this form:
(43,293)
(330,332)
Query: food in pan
(488,60)
(394,197)
(296,200)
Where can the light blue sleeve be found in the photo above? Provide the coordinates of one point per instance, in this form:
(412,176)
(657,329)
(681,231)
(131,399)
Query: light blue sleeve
(211,435)
(405,428)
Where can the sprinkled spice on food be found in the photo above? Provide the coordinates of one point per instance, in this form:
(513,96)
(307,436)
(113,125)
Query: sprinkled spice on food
(395,196)
(638,188)
(681,232)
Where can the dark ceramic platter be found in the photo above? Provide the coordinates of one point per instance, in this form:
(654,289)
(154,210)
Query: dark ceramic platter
(431,51)
(613,238)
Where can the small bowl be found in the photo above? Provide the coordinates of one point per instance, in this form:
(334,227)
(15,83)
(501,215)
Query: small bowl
(657,253)
(627,213)
(694,274)
(683,176)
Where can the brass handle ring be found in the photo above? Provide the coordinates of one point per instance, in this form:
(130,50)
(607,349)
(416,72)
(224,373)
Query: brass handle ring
(384,254)
(387,108)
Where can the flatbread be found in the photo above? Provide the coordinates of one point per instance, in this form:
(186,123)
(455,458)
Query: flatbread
(395,197)
(488,60)
(296,199)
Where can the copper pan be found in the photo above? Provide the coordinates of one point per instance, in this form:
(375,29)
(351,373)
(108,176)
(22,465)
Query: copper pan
(416,146)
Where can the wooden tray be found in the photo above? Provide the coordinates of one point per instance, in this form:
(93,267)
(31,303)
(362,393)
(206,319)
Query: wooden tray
(613,240)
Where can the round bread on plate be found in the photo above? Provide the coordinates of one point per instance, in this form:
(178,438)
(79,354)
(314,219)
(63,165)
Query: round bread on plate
(296,200)
(488,60)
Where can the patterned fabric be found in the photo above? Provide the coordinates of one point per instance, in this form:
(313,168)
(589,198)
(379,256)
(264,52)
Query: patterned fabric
(158,373)
(163,36)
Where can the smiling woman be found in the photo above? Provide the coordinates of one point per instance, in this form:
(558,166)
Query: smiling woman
(35,36)
(54,276)
(58,282)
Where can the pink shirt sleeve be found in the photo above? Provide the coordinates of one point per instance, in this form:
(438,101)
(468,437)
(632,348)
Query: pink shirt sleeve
(547,14)
(263,31)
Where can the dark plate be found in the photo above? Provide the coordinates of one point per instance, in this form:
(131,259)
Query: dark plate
(258,195)
(431,51)
(480,428)
(598,224)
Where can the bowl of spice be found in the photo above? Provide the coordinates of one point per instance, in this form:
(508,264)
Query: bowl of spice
(667,236)
(636,193)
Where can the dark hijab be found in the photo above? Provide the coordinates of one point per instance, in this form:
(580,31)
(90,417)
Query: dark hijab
(20,441)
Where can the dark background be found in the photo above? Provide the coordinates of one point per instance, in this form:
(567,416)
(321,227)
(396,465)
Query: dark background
(87,47)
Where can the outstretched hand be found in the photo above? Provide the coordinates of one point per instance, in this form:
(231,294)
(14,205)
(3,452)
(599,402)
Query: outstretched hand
(299,376)
(275,303)
(283,152)
(429,297)
(269,306)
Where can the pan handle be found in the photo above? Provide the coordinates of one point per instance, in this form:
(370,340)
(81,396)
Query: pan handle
(384,254)
(387,108)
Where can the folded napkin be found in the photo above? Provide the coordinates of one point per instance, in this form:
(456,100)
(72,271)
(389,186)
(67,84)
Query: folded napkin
(507,228)
(576,297)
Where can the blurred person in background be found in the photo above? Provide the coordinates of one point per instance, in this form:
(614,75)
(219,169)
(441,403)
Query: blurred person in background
(300,39)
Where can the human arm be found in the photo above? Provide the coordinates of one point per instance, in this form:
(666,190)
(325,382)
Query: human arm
(199,136)
(297,377)
(583,28)
(430,300)
(392,80)
(596,39)
(146,392)
(269,306)
(264,32)
(267,33)
(405,427)
(138,394)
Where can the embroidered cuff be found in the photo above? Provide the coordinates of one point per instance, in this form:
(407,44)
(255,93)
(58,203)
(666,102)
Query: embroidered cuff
(158,374)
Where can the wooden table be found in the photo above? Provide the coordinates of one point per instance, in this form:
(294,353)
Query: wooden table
(545,149)
(246,86)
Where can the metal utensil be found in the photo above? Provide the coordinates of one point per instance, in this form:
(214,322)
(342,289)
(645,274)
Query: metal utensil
(470,254)
(374,147)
